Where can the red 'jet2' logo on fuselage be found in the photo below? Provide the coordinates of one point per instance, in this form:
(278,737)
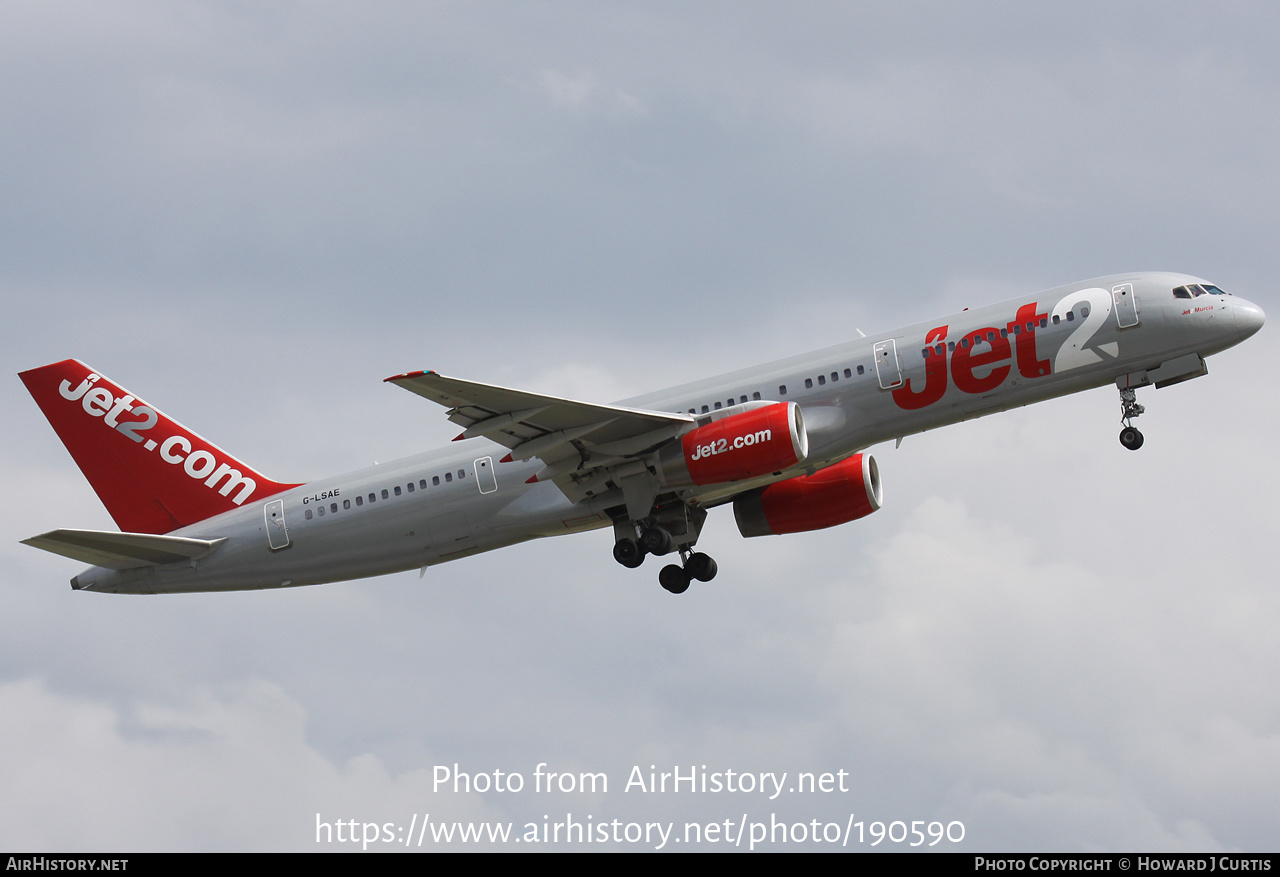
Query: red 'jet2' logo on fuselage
(966,359)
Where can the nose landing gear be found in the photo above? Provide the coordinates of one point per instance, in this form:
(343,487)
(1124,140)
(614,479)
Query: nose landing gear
(1130,437)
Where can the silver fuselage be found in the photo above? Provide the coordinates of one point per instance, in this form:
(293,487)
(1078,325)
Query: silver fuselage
(420,511)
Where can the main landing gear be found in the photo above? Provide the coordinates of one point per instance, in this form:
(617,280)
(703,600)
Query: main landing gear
(698,566)
(658,541)
(1130,437)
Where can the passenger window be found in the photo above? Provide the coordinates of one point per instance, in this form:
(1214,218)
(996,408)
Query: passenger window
(742,400)
(861,370)
(359,500)
(718,406)
(372,498)
(756,395)
(808,383)
(462,473)
(448,476)
(333,507)
(848,374)
(782,389)
(409,487)
(307,514)
(384,493)
(835,376)
(397,489)
(435,480)
(320,511)
(423,484)
(346,503)
(822,380)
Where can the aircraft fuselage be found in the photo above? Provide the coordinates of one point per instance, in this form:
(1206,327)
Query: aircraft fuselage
(1130,330)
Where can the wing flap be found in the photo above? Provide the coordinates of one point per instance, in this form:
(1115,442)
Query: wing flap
(122,550)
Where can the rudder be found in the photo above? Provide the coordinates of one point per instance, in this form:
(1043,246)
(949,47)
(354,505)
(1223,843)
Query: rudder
(153,474)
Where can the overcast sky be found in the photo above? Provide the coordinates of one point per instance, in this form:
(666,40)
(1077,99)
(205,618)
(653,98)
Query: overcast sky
(251,214)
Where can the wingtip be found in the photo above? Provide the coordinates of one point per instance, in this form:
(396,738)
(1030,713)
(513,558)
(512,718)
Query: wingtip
(506,459)
(532,479)
(460,436)
(408,375)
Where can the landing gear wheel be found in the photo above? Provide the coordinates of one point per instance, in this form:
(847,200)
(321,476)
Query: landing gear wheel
(674,578)
(1131,438)
(657,541)
(701,567)
(628,553)
(1129,409)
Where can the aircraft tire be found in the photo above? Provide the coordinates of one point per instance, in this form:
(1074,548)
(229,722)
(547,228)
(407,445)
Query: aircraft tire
(1131,438)
(702,567)
(657,541)
(628,553)
(674,578)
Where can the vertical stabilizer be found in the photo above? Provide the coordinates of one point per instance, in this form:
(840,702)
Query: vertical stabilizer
(153,474)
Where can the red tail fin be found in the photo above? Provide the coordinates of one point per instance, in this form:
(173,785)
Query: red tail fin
(151,473)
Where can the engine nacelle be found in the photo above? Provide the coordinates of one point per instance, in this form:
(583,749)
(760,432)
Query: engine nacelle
(748,444)
(834,495)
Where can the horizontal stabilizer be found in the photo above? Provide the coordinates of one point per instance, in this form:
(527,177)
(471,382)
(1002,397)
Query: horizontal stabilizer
(122,550)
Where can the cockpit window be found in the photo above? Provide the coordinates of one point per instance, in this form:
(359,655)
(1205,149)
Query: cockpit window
(1191,290)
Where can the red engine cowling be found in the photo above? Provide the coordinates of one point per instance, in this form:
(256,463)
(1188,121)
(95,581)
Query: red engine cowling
(834,495)
(748,444)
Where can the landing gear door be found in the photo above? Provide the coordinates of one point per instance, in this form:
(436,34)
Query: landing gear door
(485,478)
(277,532)
(1126,305)
(888,372)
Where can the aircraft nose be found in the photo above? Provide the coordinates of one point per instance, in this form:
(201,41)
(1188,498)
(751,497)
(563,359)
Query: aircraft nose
(1249,317)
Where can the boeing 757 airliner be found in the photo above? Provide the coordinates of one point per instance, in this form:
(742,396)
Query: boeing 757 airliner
(783,443)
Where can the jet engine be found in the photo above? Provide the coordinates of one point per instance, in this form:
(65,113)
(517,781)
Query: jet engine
(746,444)
(844,492)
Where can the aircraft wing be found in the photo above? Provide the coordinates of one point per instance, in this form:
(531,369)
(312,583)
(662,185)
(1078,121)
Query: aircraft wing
(568,436)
